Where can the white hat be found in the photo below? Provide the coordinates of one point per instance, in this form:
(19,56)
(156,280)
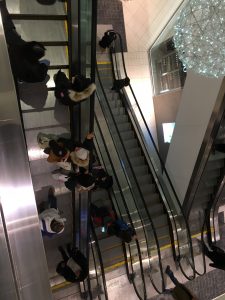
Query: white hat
(80,157)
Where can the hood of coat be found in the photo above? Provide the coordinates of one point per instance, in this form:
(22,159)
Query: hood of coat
(78,96)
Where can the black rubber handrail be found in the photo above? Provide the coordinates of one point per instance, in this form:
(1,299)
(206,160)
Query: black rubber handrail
(129,276)
(162,166)
(124,203)
(170,210)
(100,260)
(137,185)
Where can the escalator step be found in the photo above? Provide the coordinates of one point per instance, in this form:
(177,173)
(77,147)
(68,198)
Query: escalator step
(130,143)
(118,111)
(133,152)
(148,188)
(127,135)
(145,179)
(121,119)
(57,67)
(138,161)
(153,199)
(124,126)
(141,170)
(38,17)
(55,43)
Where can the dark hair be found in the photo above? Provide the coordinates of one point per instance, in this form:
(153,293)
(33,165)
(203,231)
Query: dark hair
(56,226)
(34,50)
(56,149)
(85,180)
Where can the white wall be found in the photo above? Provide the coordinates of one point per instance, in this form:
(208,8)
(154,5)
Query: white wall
(197,102)
(144,21)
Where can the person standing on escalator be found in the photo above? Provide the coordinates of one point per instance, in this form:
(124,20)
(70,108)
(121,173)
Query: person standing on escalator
(74,266)
(24,56)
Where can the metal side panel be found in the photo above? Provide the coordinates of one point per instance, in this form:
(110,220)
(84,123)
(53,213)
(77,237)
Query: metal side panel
(19,214)
(7,281)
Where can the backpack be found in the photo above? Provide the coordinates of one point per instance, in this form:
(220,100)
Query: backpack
(62,85)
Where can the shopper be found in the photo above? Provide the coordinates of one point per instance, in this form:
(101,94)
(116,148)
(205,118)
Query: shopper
(63,152)
(122,230)
(80,182)
(74,267)
(102,216)
(68,92)
(107,39)
(215,254)
(50,220)
(24,56)
(118,84)
(102,179)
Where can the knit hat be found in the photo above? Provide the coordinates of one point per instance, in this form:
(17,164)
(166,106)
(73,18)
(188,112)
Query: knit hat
(80,157)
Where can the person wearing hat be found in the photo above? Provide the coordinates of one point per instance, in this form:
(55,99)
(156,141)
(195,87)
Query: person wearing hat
(74,266)
(80,182)
(58,154)
(24,56)
(71,92)
(63,151)
(50,220)
(81,154)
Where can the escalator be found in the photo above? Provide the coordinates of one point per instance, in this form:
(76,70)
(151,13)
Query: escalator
(204,199)
(39,109)
(40,112)
(155,197)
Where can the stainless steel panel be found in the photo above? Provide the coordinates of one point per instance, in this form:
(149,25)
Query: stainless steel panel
(7,281)
(17,197)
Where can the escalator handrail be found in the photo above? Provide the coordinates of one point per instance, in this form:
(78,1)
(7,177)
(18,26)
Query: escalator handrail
(124,202)
(100,260)
(162,165)
(137,184)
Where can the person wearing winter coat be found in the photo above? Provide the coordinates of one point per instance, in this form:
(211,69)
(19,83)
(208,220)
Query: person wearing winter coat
(107,39)
(68,92)
(179,292)
(123,231)
(24,56)
(102,216)
(50,220)
(118,84)
(74,267)
(102,179)
(216,254)
(80,182)
(64,151)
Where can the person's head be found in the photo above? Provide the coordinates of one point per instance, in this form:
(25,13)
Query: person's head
(126,236)
(126,81)
(85,182)
(80,157)
(55,152)
(56,226)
